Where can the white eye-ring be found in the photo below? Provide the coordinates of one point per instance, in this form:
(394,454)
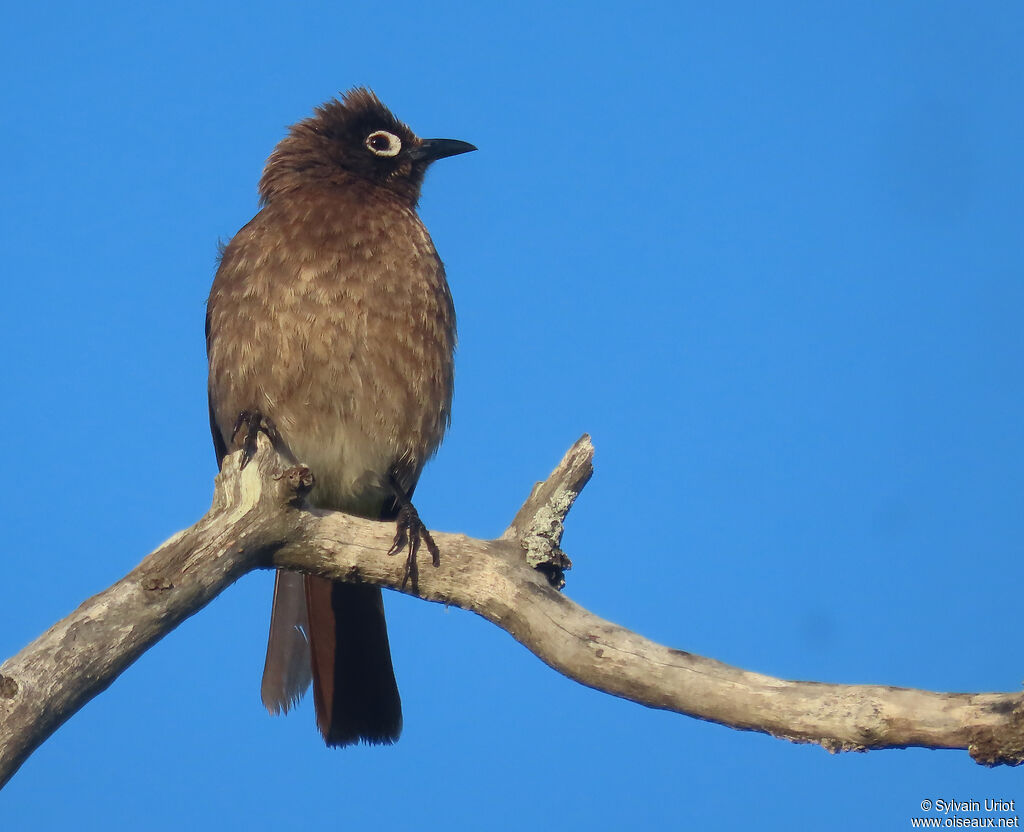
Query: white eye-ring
(383,143)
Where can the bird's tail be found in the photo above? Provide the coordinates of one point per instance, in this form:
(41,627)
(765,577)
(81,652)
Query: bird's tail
(354,685)
(335,633)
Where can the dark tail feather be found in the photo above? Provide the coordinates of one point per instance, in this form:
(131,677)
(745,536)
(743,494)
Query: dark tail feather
(286,673)
(354,684)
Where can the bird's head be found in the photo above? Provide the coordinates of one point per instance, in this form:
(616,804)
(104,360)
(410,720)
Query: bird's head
(354,137)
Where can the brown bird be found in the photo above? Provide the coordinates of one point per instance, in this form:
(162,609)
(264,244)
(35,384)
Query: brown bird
(330,325)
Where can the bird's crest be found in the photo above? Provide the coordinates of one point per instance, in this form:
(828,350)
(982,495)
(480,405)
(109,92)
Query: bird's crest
(354,136)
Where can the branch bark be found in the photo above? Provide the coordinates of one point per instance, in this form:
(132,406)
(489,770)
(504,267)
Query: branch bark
(259,520)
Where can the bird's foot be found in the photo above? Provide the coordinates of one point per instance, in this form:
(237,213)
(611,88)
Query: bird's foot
(409,531)
(253,422)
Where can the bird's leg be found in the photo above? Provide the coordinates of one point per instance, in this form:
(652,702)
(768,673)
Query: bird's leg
(254,421)
(409,530)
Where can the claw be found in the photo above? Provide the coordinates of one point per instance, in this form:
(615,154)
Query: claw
(243,419)
(409,531)
(254,422)
(401,533)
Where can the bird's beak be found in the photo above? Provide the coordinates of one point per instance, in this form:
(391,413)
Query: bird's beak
(430,150)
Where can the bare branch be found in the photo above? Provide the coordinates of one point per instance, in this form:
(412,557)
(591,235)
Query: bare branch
(259,520)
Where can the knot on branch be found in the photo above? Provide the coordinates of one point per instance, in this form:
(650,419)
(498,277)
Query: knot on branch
(8,687)
(157,583)
(1003,745)
(538,526)
(261,482)
(295,483)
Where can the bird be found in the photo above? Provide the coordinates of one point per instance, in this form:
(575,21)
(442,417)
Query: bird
(331,327)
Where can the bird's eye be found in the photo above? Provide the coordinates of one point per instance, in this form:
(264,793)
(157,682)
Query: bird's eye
(383,143)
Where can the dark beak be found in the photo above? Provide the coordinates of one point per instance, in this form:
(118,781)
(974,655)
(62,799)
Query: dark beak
(430,150)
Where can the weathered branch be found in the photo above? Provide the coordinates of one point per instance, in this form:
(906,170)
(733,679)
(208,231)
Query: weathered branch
(259,520)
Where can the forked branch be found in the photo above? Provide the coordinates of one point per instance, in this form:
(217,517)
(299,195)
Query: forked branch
(259,520)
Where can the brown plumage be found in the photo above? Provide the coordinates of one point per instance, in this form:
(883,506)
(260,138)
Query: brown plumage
(330,316)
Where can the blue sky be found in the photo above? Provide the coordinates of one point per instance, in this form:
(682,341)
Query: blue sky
(769,257)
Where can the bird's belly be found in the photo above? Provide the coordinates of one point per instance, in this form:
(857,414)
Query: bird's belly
(350,449)
(352,409)
(349,466)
